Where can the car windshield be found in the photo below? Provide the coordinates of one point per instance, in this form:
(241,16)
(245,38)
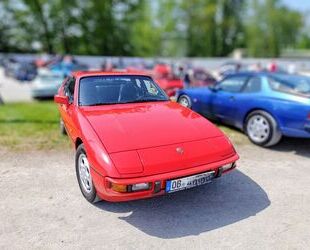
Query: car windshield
(292,84)
(101,90)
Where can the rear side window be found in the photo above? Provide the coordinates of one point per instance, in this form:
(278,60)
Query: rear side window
(253,85)
(232,84)
(291,84)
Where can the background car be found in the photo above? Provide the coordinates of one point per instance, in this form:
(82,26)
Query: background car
(66,65)
(201,78)
(10,65)
(46,84)
(265,106)
(163,75)
(25,71)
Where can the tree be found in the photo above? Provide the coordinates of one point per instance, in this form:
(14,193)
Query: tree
(150,28)
(142,37)
(201,27)
(230,25)
(36,10)
(213,27)
(271,28)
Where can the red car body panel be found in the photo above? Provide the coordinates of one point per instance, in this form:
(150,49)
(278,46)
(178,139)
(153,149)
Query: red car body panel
(142,125)
(136,142)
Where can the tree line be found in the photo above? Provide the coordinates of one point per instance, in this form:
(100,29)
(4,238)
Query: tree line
(151,28)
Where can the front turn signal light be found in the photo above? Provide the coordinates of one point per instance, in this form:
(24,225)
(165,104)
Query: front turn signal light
(119,188)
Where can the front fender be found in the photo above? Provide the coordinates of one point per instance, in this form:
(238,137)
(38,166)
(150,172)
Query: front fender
(97,155)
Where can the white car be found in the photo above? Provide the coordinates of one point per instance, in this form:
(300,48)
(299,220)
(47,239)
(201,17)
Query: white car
(46,84)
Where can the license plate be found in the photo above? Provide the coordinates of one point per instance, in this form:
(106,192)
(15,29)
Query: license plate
(189,182)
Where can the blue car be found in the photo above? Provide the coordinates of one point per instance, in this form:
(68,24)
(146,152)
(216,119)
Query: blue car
(266,106)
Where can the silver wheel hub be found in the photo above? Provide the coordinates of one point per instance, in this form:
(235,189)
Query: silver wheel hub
(258,128)
(84,173)
(184,102)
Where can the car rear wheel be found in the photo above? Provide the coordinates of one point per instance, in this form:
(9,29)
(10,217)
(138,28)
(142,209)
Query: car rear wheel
(84,176)
(185,101)
(262,129)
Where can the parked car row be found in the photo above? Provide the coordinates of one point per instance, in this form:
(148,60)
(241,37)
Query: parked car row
(44,74)
(20,70)
(264,103)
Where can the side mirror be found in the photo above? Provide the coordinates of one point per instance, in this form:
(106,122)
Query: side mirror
(61,99)
(213,88)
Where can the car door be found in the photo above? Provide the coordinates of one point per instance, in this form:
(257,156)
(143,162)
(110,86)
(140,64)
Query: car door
(67,110)
(225,98)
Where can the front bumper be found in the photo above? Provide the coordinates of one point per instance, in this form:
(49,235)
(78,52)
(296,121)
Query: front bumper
(102,184)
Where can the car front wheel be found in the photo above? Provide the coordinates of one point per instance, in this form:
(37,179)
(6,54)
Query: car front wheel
(262,129)
(84,176)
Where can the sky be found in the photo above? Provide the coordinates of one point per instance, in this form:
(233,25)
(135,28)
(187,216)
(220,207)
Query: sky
(301,5)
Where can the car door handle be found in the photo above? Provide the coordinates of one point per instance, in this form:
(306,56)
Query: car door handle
(232,98)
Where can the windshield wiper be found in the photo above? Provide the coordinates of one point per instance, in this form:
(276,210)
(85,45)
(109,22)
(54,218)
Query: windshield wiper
(132,101)
(102,103)
(145,100)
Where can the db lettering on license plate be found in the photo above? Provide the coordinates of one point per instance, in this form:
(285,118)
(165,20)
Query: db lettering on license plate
(189,182)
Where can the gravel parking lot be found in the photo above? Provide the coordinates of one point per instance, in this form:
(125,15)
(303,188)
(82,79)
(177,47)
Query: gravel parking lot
(264,204)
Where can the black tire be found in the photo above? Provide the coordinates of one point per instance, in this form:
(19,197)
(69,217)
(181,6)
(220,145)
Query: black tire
(62,128)
(90,195)
(272,133)
(183,99)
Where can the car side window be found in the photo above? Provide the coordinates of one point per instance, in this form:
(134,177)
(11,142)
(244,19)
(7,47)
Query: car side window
(69,88)
(232,84)
(253,85)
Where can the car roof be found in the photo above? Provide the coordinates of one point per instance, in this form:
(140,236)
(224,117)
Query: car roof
(253,73)
(79,74)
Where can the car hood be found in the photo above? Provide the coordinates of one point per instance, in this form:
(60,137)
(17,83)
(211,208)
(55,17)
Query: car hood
(125,127)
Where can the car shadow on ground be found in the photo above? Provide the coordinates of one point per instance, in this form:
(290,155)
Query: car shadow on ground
(300,146)
(229,199)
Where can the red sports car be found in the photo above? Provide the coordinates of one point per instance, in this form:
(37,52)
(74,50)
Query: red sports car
(132,142)
(165,78)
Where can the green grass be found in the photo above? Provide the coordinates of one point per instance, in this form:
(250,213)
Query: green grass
(236,136)
(28,126)
(35,126)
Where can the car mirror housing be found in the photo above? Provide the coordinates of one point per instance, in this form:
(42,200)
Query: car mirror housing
(213,88)
(61,99)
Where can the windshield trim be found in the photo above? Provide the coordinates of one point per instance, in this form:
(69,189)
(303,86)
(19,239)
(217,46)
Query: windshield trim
(121,103)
